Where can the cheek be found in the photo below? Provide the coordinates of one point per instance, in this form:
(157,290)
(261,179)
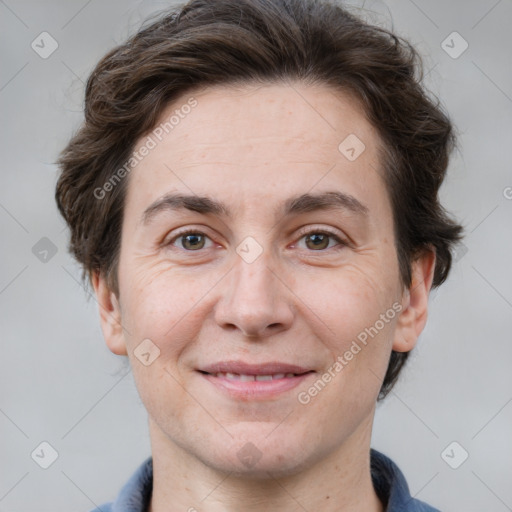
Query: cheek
(161,390)
(353,316)
(359,341)
(164,306)
(348,300)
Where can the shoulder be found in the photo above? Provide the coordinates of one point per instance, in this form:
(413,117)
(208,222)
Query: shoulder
(391,486)
(106,507)
(136,492)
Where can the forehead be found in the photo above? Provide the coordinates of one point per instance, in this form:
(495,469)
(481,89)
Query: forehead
(312,118)
(259,141)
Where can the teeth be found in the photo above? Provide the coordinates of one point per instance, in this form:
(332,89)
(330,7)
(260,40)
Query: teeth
(264,377)
(250,378)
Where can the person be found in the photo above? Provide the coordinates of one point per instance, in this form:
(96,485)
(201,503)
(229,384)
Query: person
(253,196)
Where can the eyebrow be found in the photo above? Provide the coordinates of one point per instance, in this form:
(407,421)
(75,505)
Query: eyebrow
(332,200)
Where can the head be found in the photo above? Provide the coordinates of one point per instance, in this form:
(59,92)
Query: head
(258,181)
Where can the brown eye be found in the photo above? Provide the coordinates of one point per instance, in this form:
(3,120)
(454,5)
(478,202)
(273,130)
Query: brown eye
(317,241)
(321,240)
(192,241)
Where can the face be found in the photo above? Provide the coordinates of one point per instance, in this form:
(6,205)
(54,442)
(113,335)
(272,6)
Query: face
(259,288)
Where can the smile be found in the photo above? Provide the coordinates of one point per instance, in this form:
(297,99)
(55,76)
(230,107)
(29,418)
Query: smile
(255,384)
(249,378)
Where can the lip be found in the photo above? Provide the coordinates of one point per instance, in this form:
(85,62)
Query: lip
(254,390)
(244,368)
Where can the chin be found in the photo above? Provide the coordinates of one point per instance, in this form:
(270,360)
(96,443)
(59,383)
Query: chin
(259,458)
(278,466)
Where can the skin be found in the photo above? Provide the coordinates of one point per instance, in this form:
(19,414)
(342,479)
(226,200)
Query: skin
(253,147)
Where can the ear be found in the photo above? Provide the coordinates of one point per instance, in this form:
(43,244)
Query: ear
(414,313)
(110,315)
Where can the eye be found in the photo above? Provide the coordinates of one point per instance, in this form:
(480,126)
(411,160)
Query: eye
(318,240)
(315,240)
(190,240)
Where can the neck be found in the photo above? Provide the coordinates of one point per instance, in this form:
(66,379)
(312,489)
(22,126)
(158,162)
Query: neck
(340,482)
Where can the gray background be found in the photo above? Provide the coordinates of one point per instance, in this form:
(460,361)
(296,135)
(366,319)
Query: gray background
(60,384)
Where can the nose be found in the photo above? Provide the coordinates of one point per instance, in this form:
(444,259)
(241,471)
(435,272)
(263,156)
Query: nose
(254,300)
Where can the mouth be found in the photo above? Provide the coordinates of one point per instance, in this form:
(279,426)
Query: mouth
(254,382)
(251,378)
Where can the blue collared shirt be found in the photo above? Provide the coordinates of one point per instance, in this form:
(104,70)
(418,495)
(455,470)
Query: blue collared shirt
(388,481)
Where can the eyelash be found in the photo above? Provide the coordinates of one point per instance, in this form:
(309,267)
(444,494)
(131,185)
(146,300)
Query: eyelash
(303,233)
(322,231)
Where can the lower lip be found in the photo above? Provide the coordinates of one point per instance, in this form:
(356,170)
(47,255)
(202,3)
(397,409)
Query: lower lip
(257,389)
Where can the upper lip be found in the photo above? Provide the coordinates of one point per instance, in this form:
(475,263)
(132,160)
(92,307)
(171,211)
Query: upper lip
(242,368)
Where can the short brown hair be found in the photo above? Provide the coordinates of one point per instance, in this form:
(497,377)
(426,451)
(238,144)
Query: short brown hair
(206,43)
